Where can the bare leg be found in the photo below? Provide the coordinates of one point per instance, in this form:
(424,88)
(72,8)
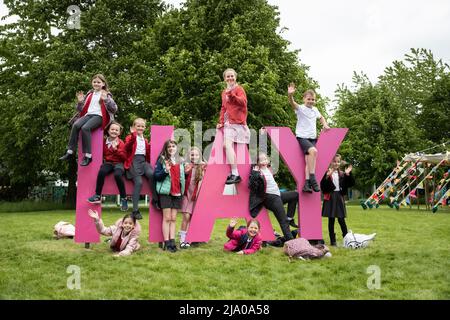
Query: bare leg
(306,167)
(166,223)
(173,223)
(229,151)
(186,221)
(312,160)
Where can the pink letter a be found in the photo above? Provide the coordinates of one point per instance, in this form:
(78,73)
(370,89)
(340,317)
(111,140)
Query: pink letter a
(212,204)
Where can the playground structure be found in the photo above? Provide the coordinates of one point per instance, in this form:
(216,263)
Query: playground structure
(415,174)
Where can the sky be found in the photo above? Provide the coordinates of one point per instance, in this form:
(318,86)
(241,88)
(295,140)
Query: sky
(337,38)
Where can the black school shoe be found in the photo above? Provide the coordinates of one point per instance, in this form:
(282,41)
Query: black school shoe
(137,215)
(67,156)
(292,223)
(85,161)
(232,179)
(307,187)
(173,245)
(314,185)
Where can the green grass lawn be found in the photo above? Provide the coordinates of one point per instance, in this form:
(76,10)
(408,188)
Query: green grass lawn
(411,249)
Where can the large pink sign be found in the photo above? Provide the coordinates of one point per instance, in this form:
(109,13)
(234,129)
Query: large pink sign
(211,203)
(309,207)
(85,227)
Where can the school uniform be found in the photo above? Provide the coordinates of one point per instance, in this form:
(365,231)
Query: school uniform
(264,191)
(334,189)
(306,127)
(137,164)
(112,162)
(170,187)
(239,241)
(93,113)
(233,115)
(192,188)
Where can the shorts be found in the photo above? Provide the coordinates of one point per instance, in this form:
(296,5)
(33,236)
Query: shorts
(237,133)
(305,144)
(169,201)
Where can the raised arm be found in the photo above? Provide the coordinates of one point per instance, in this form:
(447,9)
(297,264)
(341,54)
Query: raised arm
(109,102)
(81,99)
(291,91)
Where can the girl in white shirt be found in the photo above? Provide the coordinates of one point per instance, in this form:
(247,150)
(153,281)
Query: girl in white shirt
(335,184)
(95,109)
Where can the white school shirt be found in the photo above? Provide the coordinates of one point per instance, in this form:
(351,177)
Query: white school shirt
(140,146)
(306,122)
(335,178)
(94,107)
(271,184)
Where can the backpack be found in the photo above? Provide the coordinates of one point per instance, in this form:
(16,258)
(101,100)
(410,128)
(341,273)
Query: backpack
(356,240)
(300,248)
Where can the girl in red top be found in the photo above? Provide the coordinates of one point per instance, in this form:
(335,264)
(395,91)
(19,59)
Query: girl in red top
(233,118)
(169,174)
(95,109)
(113,158)
(137,164)
(194,171)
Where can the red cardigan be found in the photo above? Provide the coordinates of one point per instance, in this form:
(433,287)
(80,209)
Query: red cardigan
(105,114)
(235,107)
(114,156)
(130,149)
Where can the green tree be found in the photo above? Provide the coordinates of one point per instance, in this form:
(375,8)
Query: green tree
(381,130)
(43,64)
(413,81)
(434,119)
(192,46)
(188,50)
(406,111)
(162,65)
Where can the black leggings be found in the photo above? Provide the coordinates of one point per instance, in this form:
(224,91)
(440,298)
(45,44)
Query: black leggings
(331,227)
(105,169)
(291,198)
(275,204)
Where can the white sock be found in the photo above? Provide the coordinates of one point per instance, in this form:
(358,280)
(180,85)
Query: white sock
(182,236)
(70,151)
(88,155)
(235,172)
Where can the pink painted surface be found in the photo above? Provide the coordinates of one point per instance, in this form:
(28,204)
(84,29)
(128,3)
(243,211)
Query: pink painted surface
(212,204)
(310,212)
(87,177)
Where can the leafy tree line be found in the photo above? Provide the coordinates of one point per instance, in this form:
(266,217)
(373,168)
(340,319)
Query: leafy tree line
(162,64)
(407,110)
(166,65)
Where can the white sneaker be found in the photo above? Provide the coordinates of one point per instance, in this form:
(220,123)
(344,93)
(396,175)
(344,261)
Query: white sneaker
(184,245)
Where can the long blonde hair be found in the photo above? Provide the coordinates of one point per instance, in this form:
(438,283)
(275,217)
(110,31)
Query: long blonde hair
(199,167)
